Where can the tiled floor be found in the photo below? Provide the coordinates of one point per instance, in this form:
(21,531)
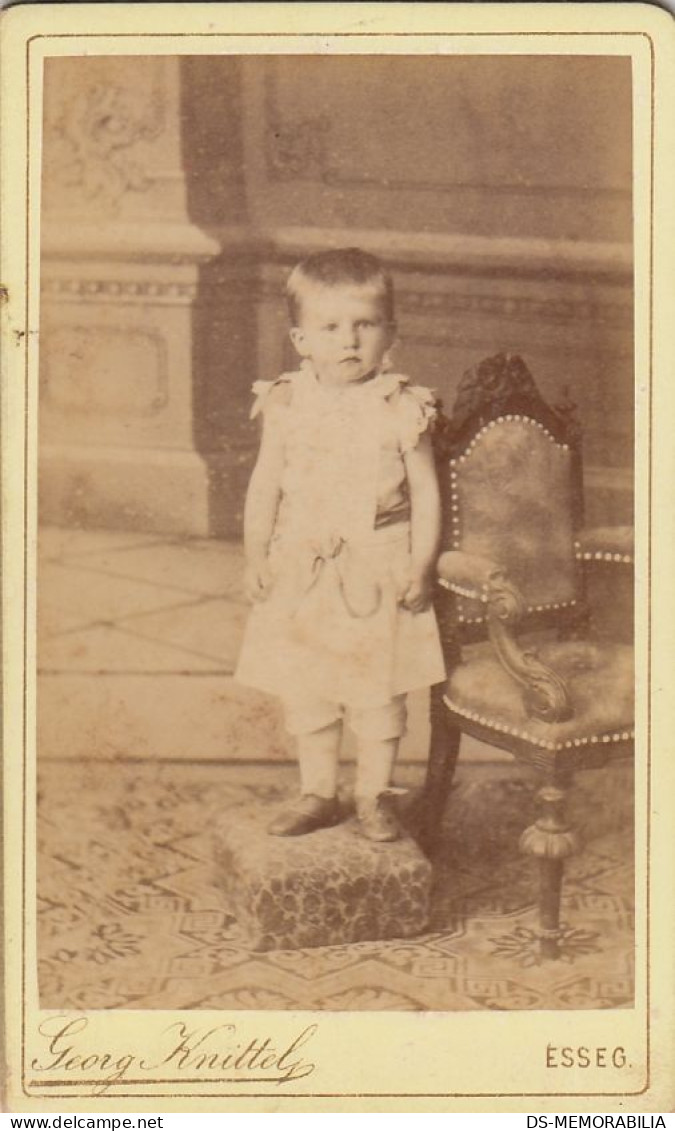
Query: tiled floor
(137,640)
(182,596)
(138,636)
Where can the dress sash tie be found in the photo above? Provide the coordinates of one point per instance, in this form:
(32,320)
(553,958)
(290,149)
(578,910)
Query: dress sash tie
(361,594)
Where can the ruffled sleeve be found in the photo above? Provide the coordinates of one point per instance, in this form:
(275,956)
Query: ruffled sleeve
(416,411)
(261,391)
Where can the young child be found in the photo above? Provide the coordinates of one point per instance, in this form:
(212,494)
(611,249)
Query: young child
(341,532)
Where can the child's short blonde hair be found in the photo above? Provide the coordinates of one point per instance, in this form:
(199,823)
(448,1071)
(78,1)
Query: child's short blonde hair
(337,267)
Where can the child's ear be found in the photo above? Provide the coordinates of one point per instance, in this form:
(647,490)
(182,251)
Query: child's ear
(298,339)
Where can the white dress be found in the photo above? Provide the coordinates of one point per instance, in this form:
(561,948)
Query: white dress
(332,627)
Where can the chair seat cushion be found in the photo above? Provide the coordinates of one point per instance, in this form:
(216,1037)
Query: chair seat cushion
(599,680)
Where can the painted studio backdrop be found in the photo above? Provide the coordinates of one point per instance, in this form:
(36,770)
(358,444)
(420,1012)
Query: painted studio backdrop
(177,194)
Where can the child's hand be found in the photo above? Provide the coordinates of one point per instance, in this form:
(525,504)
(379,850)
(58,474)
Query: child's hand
(416,593)
(258,580)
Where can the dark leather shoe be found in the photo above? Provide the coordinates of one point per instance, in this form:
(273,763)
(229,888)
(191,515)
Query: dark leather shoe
(305,815)
(377,817)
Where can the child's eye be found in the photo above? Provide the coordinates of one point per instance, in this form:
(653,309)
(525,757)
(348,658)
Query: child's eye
(330,326)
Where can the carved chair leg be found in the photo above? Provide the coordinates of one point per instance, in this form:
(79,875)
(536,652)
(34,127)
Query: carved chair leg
(443,753)
(551,840)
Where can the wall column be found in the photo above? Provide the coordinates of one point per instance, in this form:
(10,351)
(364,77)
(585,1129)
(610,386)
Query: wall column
(127,286)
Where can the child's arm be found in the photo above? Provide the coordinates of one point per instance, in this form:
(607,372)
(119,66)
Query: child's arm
(262,501)
(425,524)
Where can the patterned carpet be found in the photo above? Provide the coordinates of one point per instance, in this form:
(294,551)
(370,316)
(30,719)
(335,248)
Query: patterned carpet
(130,915)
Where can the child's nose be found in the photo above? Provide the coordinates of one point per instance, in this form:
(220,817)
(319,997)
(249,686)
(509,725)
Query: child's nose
(350,335)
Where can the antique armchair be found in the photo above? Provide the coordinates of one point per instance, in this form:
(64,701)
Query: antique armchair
(514,551)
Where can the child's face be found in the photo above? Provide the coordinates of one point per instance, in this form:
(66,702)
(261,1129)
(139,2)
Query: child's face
(344,332)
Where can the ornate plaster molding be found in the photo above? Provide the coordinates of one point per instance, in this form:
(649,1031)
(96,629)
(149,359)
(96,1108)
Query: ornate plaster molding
(120,290)
(92,141)
(520,307)
(426,303)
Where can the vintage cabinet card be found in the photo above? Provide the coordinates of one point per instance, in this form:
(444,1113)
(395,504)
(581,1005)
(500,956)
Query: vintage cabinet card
(164,167)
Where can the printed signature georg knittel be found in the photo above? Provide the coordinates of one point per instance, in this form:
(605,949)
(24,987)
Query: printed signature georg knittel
(224,1050)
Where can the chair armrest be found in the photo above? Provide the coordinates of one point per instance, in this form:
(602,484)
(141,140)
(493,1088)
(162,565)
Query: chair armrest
(545,695)
(605,544)
(482,579)
(469,575)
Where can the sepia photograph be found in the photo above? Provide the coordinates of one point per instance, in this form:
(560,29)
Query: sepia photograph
(337,392)
(417,273)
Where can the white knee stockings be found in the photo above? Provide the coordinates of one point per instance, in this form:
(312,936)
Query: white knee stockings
(318,755)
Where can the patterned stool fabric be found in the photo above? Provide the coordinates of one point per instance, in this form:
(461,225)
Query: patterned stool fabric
(329,887)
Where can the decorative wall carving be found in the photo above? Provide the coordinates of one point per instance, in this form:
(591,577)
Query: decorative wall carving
(93,139)
(115,371)
(123,290)
(521,307)
(421,302)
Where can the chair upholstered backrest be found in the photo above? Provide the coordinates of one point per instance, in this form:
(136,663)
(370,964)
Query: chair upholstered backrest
(511,472)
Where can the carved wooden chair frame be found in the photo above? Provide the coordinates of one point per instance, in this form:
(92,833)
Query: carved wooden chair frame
(499,390)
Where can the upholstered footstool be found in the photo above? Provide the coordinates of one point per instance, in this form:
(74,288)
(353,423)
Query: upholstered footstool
(326,888)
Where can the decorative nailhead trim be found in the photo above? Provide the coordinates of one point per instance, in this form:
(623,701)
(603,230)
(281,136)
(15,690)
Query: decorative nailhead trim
(618,736)
(503,420)
(600,555)
(483,595)
(548,608)
(464,591)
